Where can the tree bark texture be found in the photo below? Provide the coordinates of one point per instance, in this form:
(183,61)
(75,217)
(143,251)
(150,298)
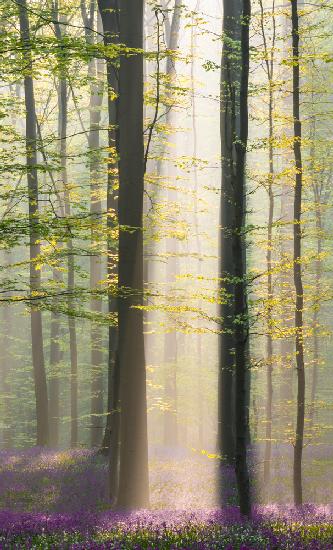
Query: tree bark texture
(240,330)
(229,126)
(299,298)
(133,476)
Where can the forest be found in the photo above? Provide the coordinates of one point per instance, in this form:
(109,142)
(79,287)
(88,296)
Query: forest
(166,274)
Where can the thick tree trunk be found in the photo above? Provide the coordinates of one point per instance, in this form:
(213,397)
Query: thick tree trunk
(229,125)
(110,18)
(299,299)
(240,330)
(35,275)
(133,477)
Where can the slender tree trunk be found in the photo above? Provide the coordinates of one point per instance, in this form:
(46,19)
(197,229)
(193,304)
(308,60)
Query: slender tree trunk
(269,339)
(133,476)
(97,407)
(172,266)
(110,18)
(269,63)
(62,131)
(240,289)
(35,275)
(70,270)
(299,299)
(95,73)
(55,349)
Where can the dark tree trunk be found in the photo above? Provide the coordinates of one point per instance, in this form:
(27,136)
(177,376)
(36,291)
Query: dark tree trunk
(299,299)
(240,330)
(35,275)
(133,476)
(229,125)
(110,18)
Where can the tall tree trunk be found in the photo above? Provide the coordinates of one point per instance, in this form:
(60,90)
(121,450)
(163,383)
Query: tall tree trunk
(299,299)
(229,122)
(62,131)
(269,64)
(269,339)
(95,73)
(172,265)
(133,476)
(109,11)
(35,275)
(240,330)
(97,407)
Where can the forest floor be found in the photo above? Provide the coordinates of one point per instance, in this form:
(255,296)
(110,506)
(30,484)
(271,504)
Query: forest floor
(51,500)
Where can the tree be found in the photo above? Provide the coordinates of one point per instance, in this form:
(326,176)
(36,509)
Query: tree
(229,120)
(133,475)
(241,328)
(95,74)
(172,264)
(110,19)
(269,56)
(297,270)
(234,361)
(62,132)
(33,200)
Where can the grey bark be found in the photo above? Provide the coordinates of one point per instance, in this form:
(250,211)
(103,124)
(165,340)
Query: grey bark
(241,328)
(298,282)
(229,127)
(133,475)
